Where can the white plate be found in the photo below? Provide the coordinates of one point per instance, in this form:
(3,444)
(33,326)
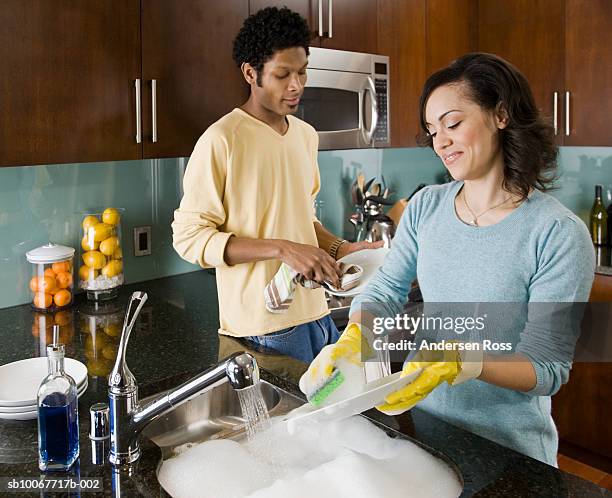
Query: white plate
(28,408)
(370,260)
(31,414)
(20,380)
(373,395)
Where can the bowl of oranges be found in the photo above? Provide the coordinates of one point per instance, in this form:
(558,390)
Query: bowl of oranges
(101,269)
(52,281)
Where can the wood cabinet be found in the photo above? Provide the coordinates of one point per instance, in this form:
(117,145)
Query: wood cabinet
(68,89)
(67,81)
(588,71)
(529,35)
(561,47)
(420,37)
(187,52)
(338,24)
(581,408)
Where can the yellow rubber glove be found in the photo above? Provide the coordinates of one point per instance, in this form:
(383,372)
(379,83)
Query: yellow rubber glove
(438,367)
(347,348)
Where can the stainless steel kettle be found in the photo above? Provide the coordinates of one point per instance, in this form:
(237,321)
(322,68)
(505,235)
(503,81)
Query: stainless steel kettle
(382,228)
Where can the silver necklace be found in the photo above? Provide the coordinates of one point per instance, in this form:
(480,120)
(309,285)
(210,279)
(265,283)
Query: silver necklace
(475,216)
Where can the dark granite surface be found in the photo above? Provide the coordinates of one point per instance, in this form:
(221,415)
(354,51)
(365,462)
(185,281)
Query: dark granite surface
(175,338)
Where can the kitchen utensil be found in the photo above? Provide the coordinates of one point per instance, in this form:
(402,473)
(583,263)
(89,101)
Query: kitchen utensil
(361,182)
(369,260)
(20,380)
(375,190)
(354,187)
(52,277)
(366,187)
(374,394)
(380,200)
(383,228)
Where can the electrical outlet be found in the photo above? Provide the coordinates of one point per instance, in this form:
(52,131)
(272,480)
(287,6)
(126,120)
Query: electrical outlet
(142,241)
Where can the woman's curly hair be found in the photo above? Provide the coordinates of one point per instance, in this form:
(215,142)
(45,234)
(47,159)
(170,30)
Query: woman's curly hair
(528,142)
(267,31)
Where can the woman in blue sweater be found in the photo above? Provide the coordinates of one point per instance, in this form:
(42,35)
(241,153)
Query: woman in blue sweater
(492,235)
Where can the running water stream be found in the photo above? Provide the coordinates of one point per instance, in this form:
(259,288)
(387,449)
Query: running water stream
(254,410)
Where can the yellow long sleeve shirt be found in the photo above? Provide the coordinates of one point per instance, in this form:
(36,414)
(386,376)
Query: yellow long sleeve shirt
(246,179)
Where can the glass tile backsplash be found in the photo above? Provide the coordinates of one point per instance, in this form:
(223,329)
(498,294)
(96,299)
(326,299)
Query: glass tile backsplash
(45,203)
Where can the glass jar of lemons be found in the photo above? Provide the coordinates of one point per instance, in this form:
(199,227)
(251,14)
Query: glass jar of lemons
(101,270)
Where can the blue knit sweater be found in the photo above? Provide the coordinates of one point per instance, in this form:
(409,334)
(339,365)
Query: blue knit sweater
(539,253)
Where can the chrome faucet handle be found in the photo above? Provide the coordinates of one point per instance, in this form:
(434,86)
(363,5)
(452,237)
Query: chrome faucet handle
(121,380)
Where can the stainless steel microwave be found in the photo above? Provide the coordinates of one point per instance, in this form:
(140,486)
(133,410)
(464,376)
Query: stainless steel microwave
(346,99)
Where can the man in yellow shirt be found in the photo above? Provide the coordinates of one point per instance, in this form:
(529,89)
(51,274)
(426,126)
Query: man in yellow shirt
(249,190)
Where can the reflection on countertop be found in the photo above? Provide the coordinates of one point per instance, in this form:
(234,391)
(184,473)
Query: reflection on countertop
(175,338)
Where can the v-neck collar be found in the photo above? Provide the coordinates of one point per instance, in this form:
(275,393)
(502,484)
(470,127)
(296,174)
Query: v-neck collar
(266,125)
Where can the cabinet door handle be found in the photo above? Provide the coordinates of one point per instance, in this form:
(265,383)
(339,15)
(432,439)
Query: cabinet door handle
(330,8)
(555,111)
(154,109)
(321,18)
(138,112)
(567,114)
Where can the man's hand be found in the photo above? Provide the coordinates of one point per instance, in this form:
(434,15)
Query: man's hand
(312,262)
(350,247)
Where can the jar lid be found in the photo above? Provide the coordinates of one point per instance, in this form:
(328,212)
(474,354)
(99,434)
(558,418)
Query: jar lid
(50,253)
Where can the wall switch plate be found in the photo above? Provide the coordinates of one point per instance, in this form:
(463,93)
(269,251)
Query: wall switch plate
(142,241)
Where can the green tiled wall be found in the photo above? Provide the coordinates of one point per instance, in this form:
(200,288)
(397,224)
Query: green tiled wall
(43,203)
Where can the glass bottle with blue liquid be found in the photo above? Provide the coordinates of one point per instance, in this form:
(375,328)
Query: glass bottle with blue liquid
(58,418)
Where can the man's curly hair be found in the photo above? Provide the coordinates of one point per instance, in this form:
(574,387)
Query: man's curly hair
(267,31)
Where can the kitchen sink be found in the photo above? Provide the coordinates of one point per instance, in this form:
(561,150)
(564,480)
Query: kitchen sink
(215,414)
(215,418)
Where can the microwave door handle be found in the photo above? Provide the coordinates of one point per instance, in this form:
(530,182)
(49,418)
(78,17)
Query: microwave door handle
(371,88)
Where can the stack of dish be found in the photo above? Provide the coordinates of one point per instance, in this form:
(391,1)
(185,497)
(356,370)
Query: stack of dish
(20,380)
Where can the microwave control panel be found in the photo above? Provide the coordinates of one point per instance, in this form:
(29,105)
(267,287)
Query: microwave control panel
(381,134)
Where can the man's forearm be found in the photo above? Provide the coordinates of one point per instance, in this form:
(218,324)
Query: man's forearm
(243,250)
(324,237)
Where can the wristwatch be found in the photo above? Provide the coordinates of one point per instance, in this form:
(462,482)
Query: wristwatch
(333,249)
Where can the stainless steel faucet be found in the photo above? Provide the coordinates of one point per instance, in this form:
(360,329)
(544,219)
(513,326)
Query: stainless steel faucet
(128,417)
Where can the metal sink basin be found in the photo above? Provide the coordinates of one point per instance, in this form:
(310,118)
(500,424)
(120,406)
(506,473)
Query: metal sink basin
(213,415)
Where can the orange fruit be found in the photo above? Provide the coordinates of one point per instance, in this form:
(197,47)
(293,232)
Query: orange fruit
(111,216)
(34,284)
(49,273)
(47,284)
(94,259)
(42,300)
(61,266)
(90,221)
(64,279)
(62,298)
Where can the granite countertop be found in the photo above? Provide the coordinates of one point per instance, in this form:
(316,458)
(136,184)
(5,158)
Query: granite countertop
(176,337)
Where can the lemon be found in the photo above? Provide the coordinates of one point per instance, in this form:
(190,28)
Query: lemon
(118,254)
(112,330)
(89,221)
(110,351)
(94,259)
(112,268)
(108,246)
(86,273)
(99,232)
(111,216)
(88,244)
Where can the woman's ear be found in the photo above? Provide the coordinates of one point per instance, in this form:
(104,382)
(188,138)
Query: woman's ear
(501,116)
(249,73)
